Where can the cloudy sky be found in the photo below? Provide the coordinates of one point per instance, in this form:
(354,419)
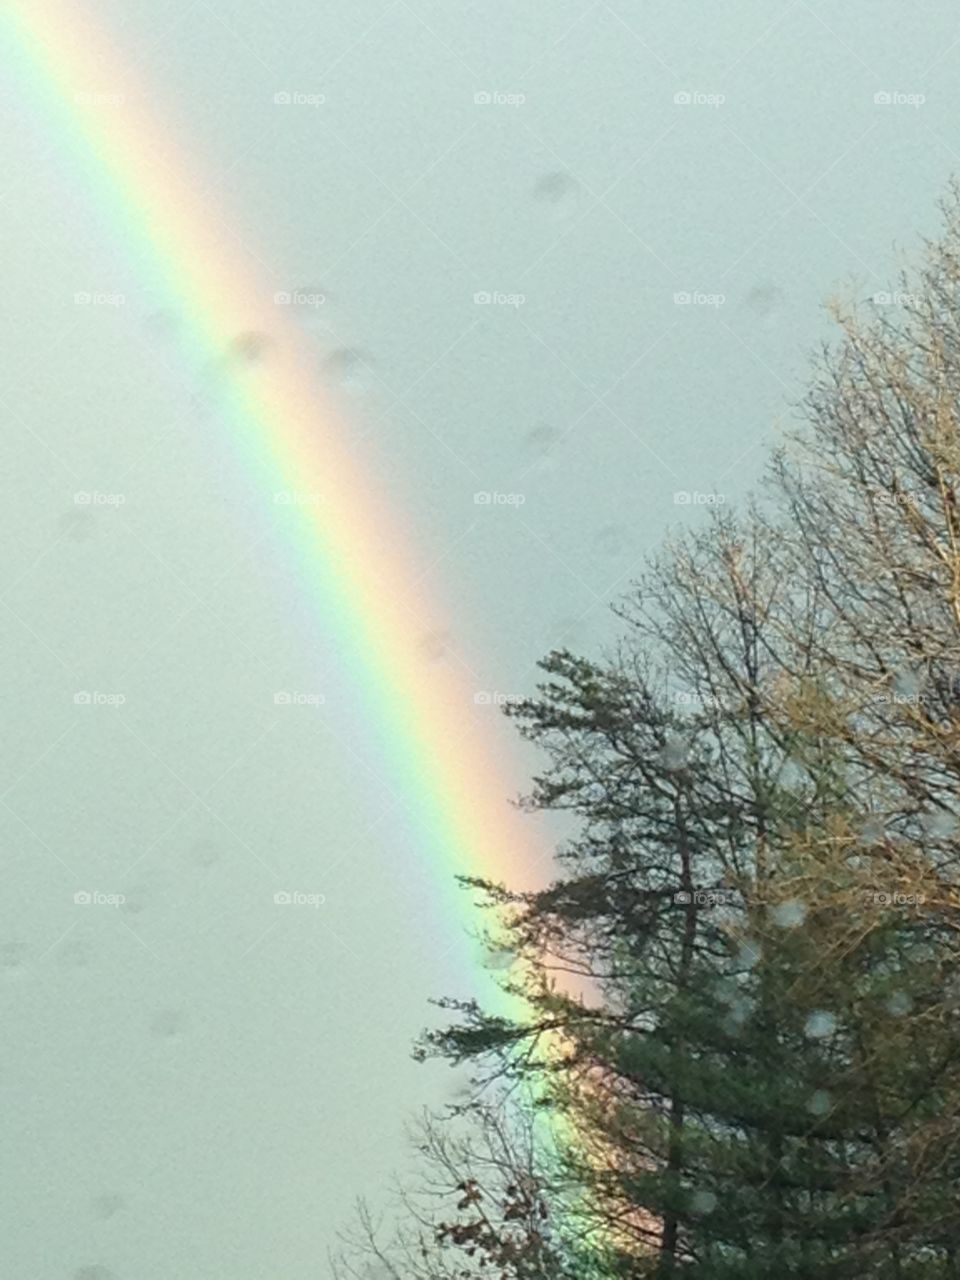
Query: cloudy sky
(572,254)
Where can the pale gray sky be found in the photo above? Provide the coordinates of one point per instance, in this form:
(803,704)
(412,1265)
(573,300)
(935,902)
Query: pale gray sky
(193,1088)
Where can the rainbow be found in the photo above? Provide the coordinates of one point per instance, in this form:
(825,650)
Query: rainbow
(352,558)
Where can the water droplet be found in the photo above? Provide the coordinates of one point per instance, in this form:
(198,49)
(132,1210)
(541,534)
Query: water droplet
(78,526)
(163,324)
(898,1004)
(741,1007)
(703,1202)
(75,955)
(906,683)
(500,958)
(611,540)
(873,830)
(819,1103)
(788,915)
(435,645)
(793,775)
(375,1271)
(764,299)
(12,958)
(675,752)
(349,369)
(542,439)
(820,1024)
(939,824)
(204,853)
(559,191)
(568,633)
(167,1023)
(108,1205)
(249,347)
(134,902)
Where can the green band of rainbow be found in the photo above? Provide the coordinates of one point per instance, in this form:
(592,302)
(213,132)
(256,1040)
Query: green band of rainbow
(353,558)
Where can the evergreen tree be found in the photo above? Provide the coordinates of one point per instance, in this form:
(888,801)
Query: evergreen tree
(742,986)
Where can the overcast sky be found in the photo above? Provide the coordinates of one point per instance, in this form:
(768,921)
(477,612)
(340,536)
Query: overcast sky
(572,252)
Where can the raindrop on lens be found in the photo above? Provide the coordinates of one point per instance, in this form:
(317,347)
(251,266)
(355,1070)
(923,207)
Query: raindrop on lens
(559,192)
(741,1008)
(939,825)
(249,348)
(703,1202)
(500,958)
(788,915)
(347,369)
(899,1004)
(674,753)
(819,1103)
(906,683)
(872,831)
(764,299)
(820,1024)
